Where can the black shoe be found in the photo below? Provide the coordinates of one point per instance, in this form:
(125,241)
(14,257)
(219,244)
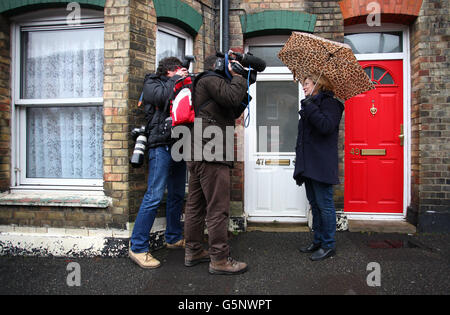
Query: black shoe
(309,249)
(322,254)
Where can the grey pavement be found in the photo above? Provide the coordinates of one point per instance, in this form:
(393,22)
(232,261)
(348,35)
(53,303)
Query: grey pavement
(408,264)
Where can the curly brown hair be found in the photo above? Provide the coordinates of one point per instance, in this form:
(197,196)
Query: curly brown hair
(168,64)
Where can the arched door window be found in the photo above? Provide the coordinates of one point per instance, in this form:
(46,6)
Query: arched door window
(379,76)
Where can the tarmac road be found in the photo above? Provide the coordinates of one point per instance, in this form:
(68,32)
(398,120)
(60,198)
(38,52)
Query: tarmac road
(408,264)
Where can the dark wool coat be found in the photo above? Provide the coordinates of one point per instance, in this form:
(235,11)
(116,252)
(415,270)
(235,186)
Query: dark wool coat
(316,151)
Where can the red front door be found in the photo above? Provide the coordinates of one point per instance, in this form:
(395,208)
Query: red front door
(374,142)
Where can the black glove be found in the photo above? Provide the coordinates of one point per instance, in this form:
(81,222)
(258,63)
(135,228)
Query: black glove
(306,101)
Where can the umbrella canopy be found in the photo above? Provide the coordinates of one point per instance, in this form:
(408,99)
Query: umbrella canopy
(305,54)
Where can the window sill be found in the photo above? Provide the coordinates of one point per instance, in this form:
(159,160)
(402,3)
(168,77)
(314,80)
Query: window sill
(54,199)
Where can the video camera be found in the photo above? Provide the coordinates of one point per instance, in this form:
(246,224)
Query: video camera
(248,67)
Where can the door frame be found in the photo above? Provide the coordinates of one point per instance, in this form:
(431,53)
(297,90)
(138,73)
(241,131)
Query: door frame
(250,141)
(405,57)
(269,74)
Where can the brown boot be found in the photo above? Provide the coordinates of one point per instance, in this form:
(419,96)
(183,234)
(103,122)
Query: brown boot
(227,266)
(190,261)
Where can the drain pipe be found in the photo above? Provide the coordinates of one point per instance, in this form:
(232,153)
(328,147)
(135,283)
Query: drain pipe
(221,26)
(224,23)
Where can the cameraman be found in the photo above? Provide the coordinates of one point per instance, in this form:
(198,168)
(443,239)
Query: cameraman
(163,171)
(217,102)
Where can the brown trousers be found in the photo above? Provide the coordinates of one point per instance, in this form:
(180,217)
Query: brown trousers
(208,202)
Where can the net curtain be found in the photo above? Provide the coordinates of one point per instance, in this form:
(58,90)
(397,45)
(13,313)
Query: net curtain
(63,141)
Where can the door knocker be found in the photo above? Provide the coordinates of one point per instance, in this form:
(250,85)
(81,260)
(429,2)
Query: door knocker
(373,110)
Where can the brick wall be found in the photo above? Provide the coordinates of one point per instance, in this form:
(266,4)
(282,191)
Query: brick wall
(400,11)
(76,217)
(430,112)
(5,105)
(115,106)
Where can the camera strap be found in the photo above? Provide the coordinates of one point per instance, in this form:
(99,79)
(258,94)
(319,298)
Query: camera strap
(226,67)
(140,99)
(247,118)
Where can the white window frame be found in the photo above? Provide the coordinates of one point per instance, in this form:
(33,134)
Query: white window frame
(178,32)
(44,19)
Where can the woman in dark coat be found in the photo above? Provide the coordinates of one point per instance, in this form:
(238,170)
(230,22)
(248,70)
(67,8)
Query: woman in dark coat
(317,160)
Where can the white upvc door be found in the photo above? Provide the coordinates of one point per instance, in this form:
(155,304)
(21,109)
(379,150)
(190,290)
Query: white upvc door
(271,193)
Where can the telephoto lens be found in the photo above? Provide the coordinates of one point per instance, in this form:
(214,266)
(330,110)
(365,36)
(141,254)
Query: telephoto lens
(140,134)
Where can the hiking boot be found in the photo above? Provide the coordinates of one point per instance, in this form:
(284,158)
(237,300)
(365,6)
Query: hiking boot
(227,266)
(180,244)
(190,261)
(144,260)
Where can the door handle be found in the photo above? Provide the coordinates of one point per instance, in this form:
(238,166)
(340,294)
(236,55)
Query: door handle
(401,136)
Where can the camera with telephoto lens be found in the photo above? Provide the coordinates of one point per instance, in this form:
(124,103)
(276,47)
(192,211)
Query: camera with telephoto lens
(140,136)
(248,67)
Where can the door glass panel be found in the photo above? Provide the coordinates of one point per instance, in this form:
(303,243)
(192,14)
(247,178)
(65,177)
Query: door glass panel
(379,75)
(373,43)
(277,115)
(268,54)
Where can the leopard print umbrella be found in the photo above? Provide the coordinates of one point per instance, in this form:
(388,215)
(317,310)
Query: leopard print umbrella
(305,54)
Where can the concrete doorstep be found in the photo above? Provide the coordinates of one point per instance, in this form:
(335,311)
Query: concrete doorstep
(381,226)
(277,227)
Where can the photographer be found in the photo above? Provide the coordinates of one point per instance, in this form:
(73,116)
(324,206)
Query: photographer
(217,102)
(163,171)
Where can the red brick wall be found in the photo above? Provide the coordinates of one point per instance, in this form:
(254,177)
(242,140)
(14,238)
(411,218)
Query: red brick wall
(398,11)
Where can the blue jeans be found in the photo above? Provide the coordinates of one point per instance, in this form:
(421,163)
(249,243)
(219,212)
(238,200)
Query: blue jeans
(320,197)
(163,172)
